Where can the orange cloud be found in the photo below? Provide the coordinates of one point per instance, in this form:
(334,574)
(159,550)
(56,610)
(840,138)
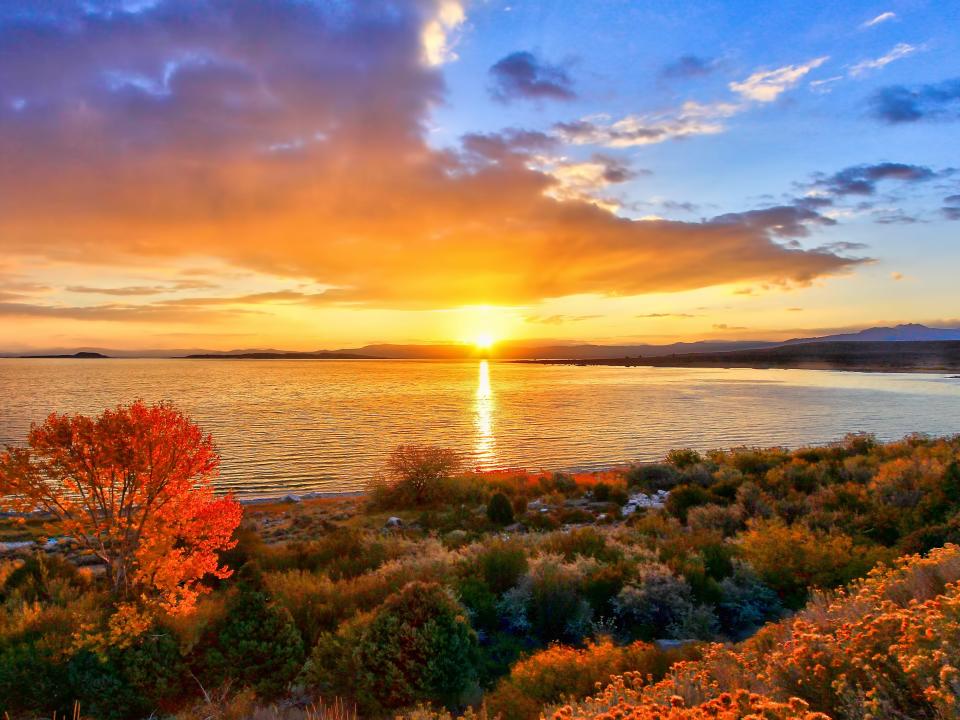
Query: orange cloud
(292,142)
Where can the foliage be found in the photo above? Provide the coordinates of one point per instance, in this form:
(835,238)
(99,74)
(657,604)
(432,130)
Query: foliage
(562,672)
(793,559)
(416,475)
(499,510)
(888,648)
(659,604)
(133,486)
(256,643)
(417,646)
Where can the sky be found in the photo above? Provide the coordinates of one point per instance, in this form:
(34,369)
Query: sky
(301,174)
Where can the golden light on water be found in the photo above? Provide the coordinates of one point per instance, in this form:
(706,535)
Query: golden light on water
(484,406)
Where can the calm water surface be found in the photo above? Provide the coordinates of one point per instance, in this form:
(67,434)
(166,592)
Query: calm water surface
(292,426)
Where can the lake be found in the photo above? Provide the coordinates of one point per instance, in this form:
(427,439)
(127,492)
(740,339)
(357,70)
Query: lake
(287,426)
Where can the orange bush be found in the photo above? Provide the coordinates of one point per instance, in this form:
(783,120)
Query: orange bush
(889,647)
(562,672)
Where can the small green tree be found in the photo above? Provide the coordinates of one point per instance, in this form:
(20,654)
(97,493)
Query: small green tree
(499,510)
(416,647)
(256,643)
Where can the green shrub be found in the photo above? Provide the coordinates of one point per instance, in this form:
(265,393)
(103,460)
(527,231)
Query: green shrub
(43,578)
(256,643)
(416,647)
(659,604)
(682,458)
(499,510)
(503,563)
(746,602)
(547,604)
(653,477)
(684,497)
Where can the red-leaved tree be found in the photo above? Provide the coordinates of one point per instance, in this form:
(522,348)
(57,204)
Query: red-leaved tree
(133,486)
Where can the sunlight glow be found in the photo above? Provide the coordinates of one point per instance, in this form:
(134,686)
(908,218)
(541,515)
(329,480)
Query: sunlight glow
(484,340)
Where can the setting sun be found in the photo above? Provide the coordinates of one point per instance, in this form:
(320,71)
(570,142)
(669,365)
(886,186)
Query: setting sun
(484,340)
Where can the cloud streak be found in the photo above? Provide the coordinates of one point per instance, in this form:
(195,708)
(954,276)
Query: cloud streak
(765,86)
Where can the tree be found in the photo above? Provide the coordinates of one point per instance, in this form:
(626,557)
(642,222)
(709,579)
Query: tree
(499,510)
(132,486)
(256,642)
(416,647)
(420,471)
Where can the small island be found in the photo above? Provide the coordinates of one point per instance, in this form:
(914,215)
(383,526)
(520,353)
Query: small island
(74,356)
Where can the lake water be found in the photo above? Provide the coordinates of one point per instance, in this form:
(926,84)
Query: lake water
(293,426)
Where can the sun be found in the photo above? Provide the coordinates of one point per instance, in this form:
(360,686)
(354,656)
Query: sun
(484,340)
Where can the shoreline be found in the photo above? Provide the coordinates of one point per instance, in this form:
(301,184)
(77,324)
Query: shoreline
(665,363)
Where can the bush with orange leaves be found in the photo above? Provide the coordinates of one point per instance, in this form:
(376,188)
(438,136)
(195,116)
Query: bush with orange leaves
(887,648)
(740,705)
(563,672)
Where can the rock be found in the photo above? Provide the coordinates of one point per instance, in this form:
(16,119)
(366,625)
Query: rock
(394,522)
(294,499)
(12,547)
(673,644)
(515,528)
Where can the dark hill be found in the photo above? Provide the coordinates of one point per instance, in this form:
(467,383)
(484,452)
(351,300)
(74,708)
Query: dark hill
(74,356)
(864,356)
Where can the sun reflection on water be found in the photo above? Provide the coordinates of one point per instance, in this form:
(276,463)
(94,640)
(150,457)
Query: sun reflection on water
(483,410)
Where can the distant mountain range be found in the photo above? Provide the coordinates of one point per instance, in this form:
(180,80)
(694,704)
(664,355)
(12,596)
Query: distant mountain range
(518,350)
(932,356)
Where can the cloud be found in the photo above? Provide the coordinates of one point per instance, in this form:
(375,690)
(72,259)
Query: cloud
(666,315)
(176,106)
(899,51)
(117,313)
(690,119)
(902,104)
(686,67)
(724,326)
(881,18)
(137,290)
(863,179)
(587,179)
(951,207)
(897,276)
(767,85)
(558,319)
(439,34)
(522,76)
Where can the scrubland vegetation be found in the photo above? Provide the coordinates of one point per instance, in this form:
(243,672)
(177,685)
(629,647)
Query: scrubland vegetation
(446,591)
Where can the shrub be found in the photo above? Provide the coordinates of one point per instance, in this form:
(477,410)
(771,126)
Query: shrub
(416,475)
(684,458)
(725,519)
(684,497)
(499,510)
(416,647)
(503,563)
(659,604)
(43,578)
(794,559)
(256,643)
(562,672)
(652,477)
(311,600)
(745,602)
